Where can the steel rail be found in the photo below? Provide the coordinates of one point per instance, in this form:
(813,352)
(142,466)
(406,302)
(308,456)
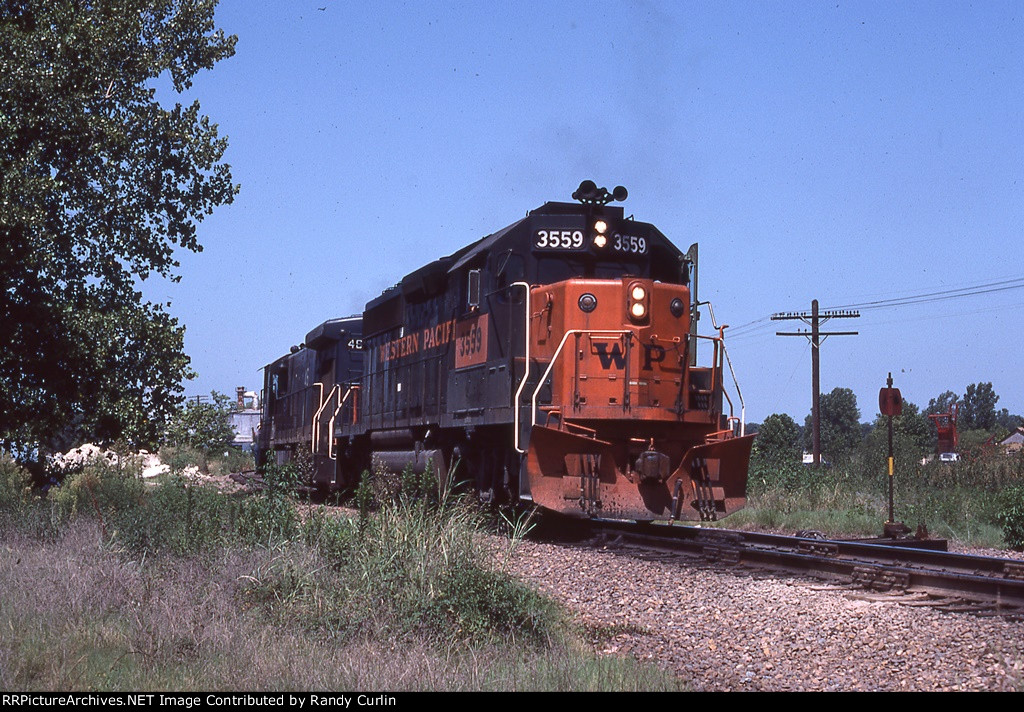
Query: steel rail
(995,581)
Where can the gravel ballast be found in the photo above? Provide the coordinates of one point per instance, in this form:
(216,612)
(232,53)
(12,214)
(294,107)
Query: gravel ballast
(728,630)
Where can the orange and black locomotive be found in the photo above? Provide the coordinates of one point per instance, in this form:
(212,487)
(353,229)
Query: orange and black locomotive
(554,361)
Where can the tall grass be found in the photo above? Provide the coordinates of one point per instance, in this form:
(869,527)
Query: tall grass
(178,516)
(430,573)
(180,587)
(412,564)
(970,501)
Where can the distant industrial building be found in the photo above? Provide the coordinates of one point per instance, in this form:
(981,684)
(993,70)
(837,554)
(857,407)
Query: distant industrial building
(245,419)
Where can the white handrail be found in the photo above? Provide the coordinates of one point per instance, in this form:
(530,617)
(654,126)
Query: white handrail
(330,423)
(316,416)
(743,407)
(558,351)
(735,381)
(739,393)
(561,345)
(526,370)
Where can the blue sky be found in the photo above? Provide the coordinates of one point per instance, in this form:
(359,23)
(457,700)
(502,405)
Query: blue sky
(847,152)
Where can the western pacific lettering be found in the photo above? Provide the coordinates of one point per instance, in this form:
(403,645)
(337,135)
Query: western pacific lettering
(652,354)
(429,338)
(606,358)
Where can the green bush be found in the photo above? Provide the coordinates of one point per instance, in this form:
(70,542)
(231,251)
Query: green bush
(413,565)
(1011,517)
(283,480)
(334,537)
(423,553)
(203,426)
(176,517)
(109,492)
(15,486)
(475,601)
(264,519)
(786,476)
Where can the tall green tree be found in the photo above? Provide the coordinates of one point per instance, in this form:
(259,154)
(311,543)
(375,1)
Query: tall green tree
(205,426)
(840,423)
(1008,421)
(99,185)
(778,440)
(942,403)
(978,409)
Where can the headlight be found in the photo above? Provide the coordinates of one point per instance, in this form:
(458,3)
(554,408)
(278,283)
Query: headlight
(588,302)
(637,305)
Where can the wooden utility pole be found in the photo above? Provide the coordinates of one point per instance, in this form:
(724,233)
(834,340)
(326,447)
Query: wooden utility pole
(817,337)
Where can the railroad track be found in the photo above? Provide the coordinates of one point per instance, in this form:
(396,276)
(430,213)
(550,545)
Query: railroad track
(912,574)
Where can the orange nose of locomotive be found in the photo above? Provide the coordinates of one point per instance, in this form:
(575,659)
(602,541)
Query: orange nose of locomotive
(628,429)
(615,348)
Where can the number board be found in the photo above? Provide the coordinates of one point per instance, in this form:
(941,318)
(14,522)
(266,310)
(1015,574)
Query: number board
(471,342)
(556,239)
(629,243)
(549,239)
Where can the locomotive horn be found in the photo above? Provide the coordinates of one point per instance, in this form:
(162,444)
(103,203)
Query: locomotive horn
(588,192)
(585,191)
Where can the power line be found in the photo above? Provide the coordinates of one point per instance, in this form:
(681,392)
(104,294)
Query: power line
(878,319)
(749,324)
(756,326)
(942,295)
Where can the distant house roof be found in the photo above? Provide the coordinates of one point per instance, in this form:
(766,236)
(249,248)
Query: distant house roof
(1016,437)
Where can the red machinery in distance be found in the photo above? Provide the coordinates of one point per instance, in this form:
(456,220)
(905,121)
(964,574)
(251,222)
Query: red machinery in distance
(945,425)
